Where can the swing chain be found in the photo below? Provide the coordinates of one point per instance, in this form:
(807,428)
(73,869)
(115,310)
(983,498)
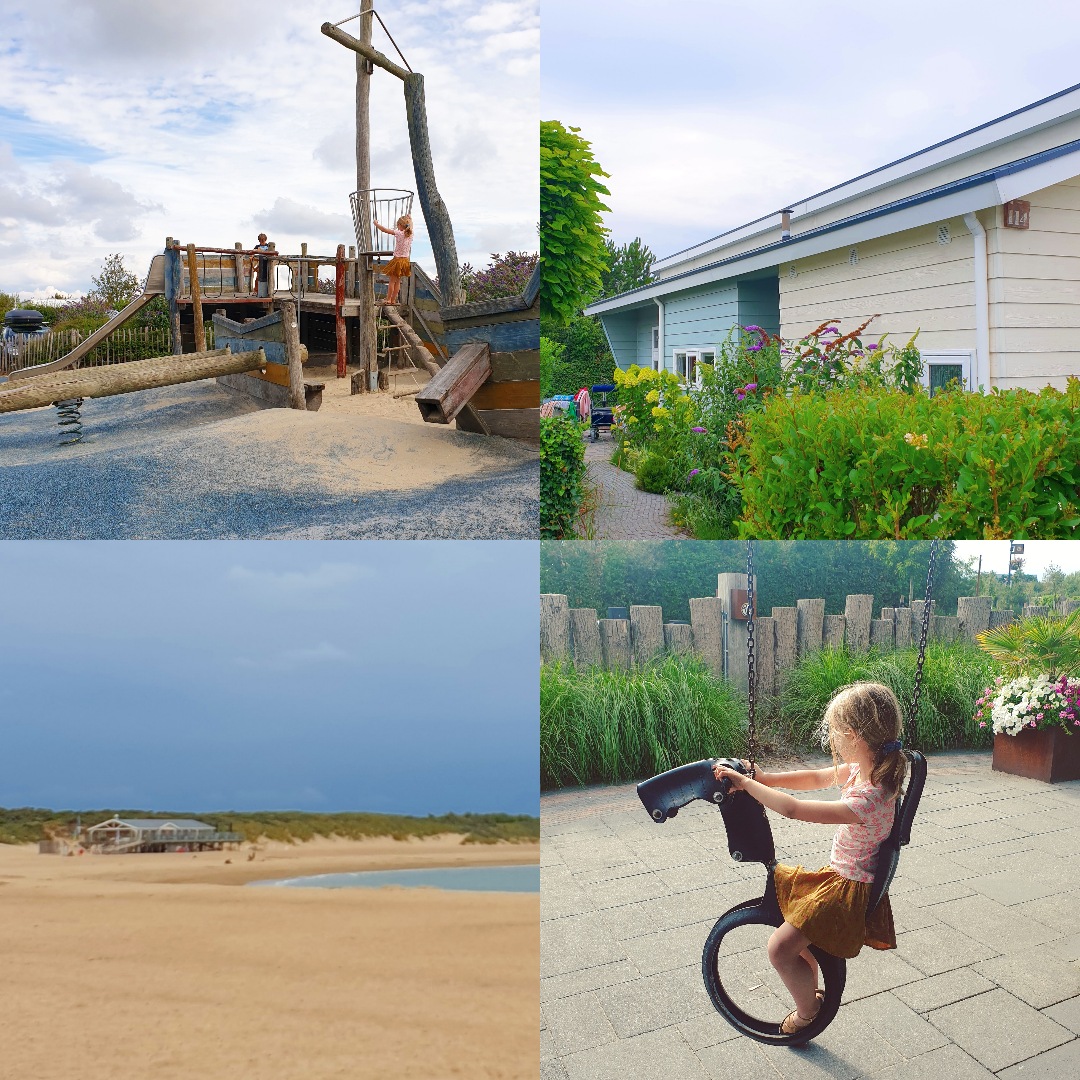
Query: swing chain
(751,730)
(923,635)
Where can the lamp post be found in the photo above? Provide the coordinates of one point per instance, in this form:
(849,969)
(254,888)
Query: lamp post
(1015,550)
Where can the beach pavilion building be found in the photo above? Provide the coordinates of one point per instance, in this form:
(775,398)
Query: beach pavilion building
(119,835)
(974,242)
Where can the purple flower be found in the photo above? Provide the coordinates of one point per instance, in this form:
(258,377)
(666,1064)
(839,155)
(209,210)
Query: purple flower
(739,395)
(831,330)
(871,348)
(693,472)
(752,328)
(699,430)
(753,348)
(750,386)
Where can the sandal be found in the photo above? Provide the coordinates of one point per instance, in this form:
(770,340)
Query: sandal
(794,1022)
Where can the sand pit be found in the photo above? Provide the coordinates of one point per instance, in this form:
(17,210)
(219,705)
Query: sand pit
(162,966)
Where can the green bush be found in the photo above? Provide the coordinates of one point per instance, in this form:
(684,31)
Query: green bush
(857,463)
(600,726)
(954,678)
(584,359)
(562,471)
(655,473)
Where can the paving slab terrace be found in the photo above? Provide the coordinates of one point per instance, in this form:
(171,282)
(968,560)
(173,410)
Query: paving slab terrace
(985,980)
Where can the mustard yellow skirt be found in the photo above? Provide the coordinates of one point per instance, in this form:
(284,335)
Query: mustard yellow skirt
(398,267)
(831,910)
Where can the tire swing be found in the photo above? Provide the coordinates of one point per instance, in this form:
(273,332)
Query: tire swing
(737,941)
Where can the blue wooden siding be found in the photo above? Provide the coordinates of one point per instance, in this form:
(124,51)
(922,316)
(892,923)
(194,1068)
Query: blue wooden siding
(621,330)
(700,317)
(647,322)
(759,303)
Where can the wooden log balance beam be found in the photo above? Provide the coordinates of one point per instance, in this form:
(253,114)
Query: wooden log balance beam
(126,378)
(449,392)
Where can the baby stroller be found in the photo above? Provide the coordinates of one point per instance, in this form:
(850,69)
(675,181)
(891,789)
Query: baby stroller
(601,409)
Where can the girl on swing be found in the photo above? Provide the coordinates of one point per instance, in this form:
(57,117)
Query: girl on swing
(399,266)
(827,907)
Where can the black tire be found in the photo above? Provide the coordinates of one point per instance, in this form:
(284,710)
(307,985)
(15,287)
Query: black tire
(766,1029)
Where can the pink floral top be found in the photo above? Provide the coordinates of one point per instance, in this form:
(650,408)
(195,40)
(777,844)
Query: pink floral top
(855,847)
(402,244)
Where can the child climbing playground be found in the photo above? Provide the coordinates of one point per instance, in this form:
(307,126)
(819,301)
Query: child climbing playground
(827,908)
(399,266)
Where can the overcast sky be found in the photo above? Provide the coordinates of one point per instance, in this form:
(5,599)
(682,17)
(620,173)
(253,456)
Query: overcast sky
(127,121)
(383,676)
(1038,555)
(709,115)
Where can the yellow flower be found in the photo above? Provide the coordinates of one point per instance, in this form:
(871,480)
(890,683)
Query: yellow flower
(653,396)
(659,411)
(632,420)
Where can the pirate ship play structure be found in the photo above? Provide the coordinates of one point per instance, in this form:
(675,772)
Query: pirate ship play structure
(272,312)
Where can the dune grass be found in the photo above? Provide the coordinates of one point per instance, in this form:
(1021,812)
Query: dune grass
(954,677)
(28,825)
(601,726)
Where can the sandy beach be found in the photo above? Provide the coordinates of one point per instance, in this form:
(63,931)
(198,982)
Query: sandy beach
(132,967)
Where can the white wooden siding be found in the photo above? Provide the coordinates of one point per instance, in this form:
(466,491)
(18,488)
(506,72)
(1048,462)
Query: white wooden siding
(909,280)
(1035,291)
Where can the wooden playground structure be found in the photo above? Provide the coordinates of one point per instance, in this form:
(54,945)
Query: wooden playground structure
(272,312)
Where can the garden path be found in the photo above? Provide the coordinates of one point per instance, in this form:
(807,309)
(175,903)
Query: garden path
(624,512)
(985,981)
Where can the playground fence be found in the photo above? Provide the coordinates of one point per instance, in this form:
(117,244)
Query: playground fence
(717,631)
(122,345)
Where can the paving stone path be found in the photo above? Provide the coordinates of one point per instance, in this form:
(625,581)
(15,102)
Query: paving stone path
(625,512)
(985,980)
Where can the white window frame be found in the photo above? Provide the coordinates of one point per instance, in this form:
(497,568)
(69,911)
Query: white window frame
(692,360)
(656,348)
(965,358)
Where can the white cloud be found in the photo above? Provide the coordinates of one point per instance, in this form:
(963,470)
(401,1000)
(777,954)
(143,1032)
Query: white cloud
(225,121)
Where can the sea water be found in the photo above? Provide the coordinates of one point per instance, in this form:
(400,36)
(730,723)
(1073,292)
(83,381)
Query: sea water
(519,879)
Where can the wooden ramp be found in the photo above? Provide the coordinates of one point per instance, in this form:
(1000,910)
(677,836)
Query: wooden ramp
(155,286)
(125,378)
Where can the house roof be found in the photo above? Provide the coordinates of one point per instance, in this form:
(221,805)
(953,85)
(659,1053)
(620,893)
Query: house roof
(992,187)
(157,823)
(1040,114)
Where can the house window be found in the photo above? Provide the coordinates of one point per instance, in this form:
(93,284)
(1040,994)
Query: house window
(947,366)
(687,361)
(656,348)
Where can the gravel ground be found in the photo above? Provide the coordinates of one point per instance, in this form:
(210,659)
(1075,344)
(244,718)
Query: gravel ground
(192,462)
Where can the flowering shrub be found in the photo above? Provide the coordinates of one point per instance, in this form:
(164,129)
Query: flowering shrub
(505,275)
(877,464)
(1029,701)
(827,359)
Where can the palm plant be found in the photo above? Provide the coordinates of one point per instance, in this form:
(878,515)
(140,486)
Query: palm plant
(1042,643)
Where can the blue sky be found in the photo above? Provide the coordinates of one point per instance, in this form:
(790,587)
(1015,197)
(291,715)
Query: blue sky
(396,676)
(125,122)
(709,115)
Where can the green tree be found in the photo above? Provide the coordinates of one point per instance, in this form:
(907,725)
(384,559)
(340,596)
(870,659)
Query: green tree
(584,359)
(573,256)
(629,267)
(115,286)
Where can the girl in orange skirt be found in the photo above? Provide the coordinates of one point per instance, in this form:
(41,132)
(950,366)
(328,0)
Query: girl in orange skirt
(399,266)
(827,907)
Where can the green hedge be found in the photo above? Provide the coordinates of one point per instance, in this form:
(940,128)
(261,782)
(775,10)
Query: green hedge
(562,471)
(851,464)
(954,678)
(600,726)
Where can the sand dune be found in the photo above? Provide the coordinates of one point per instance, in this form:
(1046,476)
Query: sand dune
(159,966)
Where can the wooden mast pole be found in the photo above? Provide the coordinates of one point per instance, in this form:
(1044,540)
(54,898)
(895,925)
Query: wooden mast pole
(440,229)
(365,278)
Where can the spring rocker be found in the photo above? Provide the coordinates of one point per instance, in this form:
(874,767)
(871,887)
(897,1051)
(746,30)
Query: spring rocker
(750,839)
